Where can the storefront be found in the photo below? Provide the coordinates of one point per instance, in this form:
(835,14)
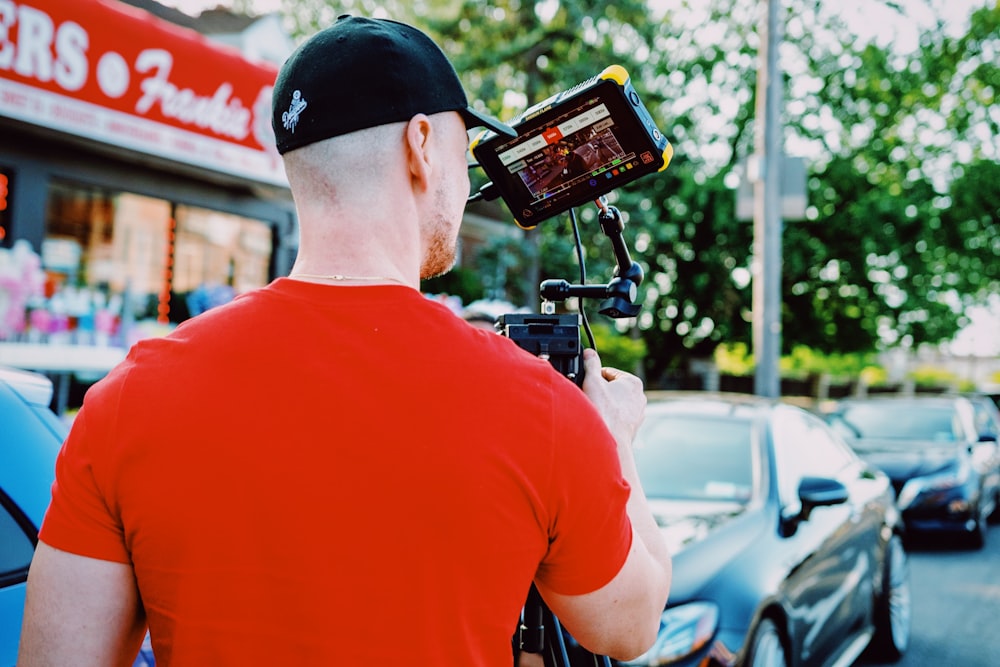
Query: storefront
(138,180)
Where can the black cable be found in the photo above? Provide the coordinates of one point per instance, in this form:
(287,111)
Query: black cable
(583,276)
(488,192)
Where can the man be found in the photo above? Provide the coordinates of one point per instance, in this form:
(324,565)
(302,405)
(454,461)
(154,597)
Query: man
(301,476)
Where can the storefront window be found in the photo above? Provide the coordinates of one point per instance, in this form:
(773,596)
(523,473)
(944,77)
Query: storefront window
(121,266)
(217,251)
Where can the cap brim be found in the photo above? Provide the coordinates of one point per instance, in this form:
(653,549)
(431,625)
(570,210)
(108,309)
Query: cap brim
(475,119)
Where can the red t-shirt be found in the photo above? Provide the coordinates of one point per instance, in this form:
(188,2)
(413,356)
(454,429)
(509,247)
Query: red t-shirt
(320,474)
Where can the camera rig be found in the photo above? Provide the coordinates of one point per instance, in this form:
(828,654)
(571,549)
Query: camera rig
(556,337)
(572,148)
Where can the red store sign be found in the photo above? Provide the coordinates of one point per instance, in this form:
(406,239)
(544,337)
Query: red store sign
(115,74)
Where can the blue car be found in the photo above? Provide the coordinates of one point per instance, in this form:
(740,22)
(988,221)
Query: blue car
(32,435)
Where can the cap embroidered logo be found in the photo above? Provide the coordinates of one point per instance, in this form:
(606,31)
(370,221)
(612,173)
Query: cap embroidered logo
(290,118)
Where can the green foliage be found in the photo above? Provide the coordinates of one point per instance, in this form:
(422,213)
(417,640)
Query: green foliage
(933,377)
(890,245)
(616,349)
(503,263)
(901,230)
(305,17)
(804,362)
(967,385)
(972,223)
(460,282)
(734,359)
(874,376)
(691,301)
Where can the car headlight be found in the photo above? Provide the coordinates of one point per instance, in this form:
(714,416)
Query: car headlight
(950,479)
(683,630)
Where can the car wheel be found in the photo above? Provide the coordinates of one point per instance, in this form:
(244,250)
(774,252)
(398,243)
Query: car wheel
(893,607)
(766,648)
(994,517)
(977,538)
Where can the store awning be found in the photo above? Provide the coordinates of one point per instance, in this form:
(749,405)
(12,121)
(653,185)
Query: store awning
(110,73)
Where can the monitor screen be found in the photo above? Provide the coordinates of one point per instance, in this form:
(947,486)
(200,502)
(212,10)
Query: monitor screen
(574,152)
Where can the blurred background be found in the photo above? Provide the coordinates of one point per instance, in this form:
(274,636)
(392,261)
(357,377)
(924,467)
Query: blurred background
(889,264)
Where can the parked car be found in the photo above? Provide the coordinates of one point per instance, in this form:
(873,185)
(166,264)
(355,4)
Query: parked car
(992,393)
(946,474)
(32,436)
(986,415)
(787,547)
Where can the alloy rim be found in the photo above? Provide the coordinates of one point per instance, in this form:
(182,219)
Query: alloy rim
(899,595)
(768,650)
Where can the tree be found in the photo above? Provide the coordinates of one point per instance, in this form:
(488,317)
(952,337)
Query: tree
(877,263)
(902,217)
(972,221)
(889,264)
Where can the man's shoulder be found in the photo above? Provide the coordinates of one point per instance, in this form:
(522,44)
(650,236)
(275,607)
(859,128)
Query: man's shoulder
(522,377)
(207,335)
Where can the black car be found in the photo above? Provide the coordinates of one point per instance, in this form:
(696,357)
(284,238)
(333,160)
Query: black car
(787,547)
(986,416)
(945,469)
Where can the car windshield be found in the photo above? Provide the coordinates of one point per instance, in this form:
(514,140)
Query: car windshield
(695,458)
(911,421)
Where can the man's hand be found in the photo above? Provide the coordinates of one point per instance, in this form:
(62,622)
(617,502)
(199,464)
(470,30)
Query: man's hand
(621,619)
(617,395)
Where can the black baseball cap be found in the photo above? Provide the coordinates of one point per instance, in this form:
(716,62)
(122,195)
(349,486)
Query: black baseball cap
(360,73)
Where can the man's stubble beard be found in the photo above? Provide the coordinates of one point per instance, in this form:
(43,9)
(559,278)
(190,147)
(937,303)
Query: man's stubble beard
(441,242)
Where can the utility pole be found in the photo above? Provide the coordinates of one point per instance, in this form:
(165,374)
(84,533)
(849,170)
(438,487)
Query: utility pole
(767,224)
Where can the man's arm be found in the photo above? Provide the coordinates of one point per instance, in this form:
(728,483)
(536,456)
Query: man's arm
(80,611)
(622,618)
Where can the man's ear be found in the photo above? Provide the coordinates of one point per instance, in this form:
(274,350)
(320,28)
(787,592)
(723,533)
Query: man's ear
(418,142)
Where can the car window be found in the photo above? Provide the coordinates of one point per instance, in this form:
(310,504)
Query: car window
(938,423)
(695,457)
(804,446)
(986,424)
(16,547)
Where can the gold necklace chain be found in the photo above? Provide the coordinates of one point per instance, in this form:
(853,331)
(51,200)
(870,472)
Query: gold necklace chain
(337,277)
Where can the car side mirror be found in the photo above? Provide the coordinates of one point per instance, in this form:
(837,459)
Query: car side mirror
(814,492)
(820,492)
